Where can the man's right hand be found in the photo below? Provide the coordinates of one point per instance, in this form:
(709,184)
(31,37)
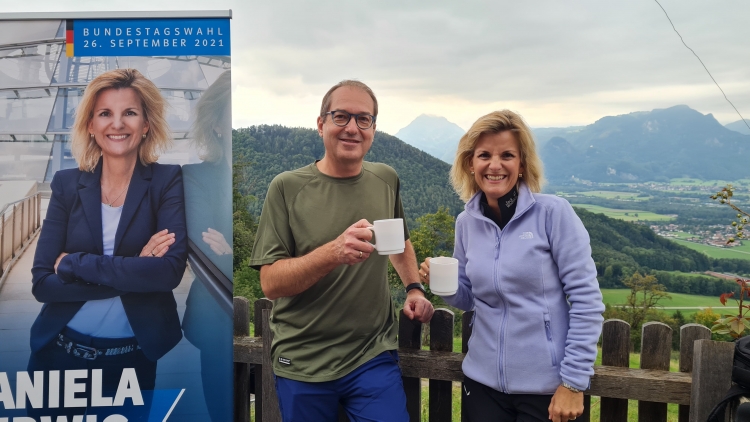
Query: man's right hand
(292,276)
(352,246)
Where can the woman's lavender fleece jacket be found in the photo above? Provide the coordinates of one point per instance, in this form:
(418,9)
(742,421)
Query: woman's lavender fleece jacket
(538,307)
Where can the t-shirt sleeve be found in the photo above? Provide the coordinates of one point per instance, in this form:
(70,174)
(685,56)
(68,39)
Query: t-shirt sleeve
(398,211)
(274,239)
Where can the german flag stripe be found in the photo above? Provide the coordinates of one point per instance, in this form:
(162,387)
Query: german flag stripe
(69,38)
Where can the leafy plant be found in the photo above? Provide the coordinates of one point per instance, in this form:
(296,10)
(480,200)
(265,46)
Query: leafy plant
(724,196)
(735,324)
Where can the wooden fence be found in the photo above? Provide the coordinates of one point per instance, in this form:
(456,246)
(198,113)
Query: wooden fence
(703,378)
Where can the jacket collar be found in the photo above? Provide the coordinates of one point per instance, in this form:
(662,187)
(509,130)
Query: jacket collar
(525,201)
(89,188)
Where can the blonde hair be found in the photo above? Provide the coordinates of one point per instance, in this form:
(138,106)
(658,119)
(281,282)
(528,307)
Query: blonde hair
(498,121)
(210,110)
(158,138)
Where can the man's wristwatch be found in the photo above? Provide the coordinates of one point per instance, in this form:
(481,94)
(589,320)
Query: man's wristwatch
(413,286)
(571,388)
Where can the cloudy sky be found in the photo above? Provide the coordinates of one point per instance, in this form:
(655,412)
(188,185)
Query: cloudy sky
(557,63)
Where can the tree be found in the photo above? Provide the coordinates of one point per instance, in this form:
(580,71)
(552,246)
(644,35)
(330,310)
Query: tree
(246,280)
(645,294)
(433,236)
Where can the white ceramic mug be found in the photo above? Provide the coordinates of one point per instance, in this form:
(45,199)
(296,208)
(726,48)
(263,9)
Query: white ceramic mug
(443,275)
(389,236)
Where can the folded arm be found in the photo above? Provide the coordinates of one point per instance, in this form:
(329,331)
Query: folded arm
(47,285)
(136,273)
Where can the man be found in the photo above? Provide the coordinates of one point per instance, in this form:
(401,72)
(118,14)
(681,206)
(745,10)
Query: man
(333,319)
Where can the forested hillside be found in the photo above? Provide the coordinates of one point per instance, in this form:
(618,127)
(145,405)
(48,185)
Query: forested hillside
(270,150)
(619,248)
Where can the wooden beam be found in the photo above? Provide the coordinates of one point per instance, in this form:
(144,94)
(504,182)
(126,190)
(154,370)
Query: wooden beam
(652,385)
(608,381)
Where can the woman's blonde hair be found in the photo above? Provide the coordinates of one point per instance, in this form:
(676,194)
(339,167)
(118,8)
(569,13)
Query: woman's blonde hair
(498,121)
(210,112)
(158,138)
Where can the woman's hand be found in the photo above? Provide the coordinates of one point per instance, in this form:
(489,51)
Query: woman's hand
(217,242)
(57,261)
(424,271)
(158,245)
(565,405)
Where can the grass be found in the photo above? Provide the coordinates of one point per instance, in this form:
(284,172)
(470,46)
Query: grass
(677,300)
(683,235)
(687,304)
(672,410)
(738,252)
(627,215)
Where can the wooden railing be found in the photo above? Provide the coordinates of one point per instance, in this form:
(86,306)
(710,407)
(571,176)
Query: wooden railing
(19,221)
(704,377)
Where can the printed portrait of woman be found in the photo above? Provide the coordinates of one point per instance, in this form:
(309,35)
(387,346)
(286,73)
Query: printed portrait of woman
(112,248)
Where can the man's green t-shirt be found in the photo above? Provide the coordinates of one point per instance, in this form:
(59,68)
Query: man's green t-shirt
(347,317)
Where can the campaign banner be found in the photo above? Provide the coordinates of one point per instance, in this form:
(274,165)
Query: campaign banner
(116,291)
(135,37)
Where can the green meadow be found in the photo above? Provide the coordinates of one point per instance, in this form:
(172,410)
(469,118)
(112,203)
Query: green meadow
(737,252)
(688,305)
(677,300)
(627,215)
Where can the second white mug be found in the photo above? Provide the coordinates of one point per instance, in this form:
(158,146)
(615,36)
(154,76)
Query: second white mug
(443,276)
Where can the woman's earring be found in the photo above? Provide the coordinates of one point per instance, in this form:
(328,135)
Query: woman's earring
(91,135)
(520,174)
(144,136)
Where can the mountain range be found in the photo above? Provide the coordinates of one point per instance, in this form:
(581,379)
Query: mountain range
(655,145)
(739,126)
(649,146)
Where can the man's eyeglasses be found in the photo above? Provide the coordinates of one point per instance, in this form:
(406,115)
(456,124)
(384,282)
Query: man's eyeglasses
(342,118)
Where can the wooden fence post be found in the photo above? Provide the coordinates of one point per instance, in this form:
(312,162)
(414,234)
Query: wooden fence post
(410,337)
(656,348)
(712,376)
(258,319)
(615,352)
(441,392)
(689,333)
(241,370)
(467,320)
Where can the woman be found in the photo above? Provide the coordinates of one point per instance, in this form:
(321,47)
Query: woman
(525,268)
(112,247)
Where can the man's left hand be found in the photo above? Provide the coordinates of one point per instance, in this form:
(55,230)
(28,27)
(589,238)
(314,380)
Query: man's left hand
(418,307)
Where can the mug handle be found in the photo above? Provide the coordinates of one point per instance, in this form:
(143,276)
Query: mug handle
(372,228)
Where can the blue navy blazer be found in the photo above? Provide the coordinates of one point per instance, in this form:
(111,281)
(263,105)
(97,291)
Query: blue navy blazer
(154,201)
